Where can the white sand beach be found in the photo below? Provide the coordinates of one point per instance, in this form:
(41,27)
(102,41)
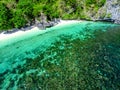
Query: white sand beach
(19,33)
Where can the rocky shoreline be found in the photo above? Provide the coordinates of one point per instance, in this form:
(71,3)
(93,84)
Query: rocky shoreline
(41,25)
(45,24)
(33,30)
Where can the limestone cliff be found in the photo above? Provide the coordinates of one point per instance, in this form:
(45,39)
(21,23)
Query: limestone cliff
(111,11)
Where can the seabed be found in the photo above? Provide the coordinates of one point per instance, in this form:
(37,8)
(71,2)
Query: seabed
(75,56)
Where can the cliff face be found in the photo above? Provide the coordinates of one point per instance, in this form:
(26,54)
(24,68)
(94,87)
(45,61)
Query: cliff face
(111,10)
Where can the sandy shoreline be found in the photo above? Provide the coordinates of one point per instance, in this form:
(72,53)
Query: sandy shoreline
(34,30)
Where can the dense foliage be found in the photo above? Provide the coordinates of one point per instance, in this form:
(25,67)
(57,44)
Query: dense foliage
(17,13)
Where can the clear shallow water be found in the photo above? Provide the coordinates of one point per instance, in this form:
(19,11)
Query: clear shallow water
(16,53)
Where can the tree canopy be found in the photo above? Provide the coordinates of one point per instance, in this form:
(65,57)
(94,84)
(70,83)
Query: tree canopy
(17,13)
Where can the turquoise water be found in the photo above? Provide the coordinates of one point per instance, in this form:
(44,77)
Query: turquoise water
(15,53)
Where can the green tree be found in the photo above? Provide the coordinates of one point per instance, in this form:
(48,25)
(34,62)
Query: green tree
(18,19)
(5,16)
(26,6)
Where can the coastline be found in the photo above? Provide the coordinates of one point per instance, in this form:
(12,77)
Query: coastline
(33,29)
(9,38)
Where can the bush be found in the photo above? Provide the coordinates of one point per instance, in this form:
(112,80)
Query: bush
(5,16)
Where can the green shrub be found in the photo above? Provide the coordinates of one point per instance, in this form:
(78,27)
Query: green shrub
(5,16)
(18,19)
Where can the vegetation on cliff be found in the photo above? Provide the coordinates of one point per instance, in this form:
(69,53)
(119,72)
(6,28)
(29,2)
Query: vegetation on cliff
(17,13)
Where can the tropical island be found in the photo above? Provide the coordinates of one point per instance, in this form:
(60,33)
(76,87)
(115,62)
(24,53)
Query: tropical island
(59,45)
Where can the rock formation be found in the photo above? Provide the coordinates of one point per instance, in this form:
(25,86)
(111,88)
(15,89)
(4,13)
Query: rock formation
(110,11)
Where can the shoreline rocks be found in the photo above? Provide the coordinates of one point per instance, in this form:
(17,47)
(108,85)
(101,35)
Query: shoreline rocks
(40,25)
(43,26)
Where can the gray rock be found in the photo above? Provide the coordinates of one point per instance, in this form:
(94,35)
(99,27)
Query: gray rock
(117,21)
(111,10)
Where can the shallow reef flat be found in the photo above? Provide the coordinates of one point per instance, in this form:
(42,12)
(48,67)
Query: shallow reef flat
(76,56)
